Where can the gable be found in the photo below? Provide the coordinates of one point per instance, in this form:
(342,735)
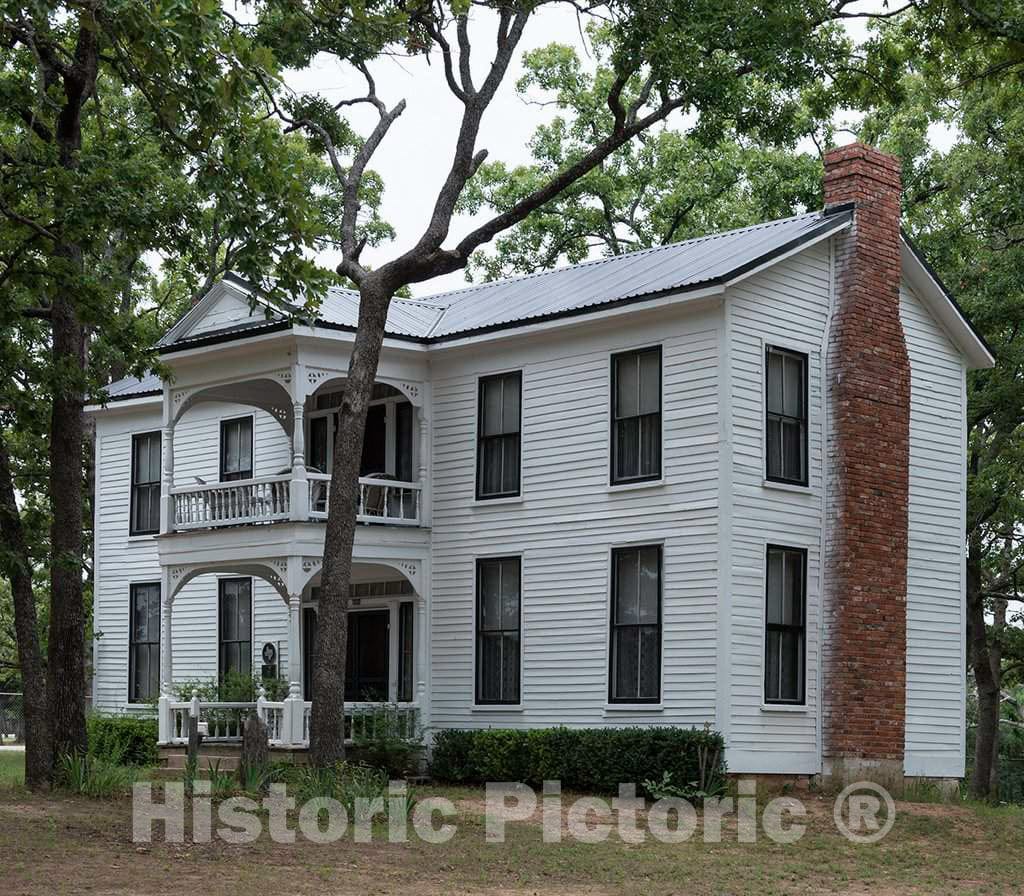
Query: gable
(229,309)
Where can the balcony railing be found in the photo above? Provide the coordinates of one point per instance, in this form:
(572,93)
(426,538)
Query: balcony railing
(230,503)
(269,498)
(380,500)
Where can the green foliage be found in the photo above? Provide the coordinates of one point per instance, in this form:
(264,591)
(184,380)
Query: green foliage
(589,760)
(92,776)
(123,740)
(234,687)
(222,783)
(383,740)
(346,782)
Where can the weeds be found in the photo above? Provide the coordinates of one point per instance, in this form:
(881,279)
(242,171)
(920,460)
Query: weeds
(94,777)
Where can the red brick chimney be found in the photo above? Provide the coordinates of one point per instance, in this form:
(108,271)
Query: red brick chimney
(865,601)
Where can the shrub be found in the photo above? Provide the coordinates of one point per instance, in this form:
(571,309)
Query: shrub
(346,782)
(94,777)
(589,760)
(383,740)
(123,740)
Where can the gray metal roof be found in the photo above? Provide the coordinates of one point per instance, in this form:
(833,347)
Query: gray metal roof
(561,292)
(134,387)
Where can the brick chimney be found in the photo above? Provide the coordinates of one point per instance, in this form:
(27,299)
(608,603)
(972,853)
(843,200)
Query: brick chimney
(865,599)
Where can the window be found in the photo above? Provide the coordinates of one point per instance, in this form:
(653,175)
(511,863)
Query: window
(497,630)
(236,449)
(786,417)
(636,625)
(405,651)
(498,435)
(145,499)
(144,643)
(785,635)
(235,597)
(636,416)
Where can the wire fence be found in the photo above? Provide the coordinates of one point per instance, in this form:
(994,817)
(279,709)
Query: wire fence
(12,718)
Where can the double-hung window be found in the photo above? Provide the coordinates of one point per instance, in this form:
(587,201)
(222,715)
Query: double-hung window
(145,497)
(786,416)
(636,416)
(785,634)
(498,627)
(235,606)
(144,643)
(236,449)
(635,675)
(499,435)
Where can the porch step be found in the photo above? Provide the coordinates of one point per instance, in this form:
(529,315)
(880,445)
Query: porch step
(224,757)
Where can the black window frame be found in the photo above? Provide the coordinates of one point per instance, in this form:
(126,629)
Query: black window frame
(803,421)
(613,436)
(480,631)
(151,485)
(800,629)
(613,626)
(236,476)
(406,691)
(151,645)
(482,439)
(221,641)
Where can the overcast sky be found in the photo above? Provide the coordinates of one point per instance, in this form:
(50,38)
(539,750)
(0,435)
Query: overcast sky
(416,154)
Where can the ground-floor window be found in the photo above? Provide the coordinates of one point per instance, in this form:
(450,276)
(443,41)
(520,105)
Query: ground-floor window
(785,625)
(498,626)
(235,627)
(144,643)
(636,625)
(405,651)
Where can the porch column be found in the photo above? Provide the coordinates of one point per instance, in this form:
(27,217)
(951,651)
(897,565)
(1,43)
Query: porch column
(166,660)
(295,707)
(300,482)
(167,479)
(422,636)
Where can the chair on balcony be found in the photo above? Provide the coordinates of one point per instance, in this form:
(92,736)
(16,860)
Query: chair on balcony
(375,497)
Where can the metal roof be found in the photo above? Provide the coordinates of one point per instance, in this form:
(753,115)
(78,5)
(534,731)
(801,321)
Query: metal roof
(134,387)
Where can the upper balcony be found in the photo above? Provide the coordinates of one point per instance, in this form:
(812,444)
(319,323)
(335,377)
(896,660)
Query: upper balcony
(220,478)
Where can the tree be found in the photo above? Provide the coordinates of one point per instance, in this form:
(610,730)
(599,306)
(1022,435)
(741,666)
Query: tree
(955,66)
(735,65)
(114,143)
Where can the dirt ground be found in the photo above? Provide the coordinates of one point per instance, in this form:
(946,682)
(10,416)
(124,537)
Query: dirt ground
(56,844)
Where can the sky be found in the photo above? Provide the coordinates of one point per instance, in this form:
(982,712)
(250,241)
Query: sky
(414,157)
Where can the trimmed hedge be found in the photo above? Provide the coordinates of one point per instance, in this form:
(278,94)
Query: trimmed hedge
(124,740)
(587,760)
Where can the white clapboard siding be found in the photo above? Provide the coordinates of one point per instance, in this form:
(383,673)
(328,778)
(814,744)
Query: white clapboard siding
(122,560)
(568,521)
(228,310)
(935,573)
(785,306)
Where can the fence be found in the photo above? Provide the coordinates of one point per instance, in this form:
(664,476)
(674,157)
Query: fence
(12,718)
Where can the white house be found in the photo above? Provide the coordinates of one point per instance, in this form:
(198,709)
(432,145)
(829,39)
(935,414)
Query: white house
(716,482)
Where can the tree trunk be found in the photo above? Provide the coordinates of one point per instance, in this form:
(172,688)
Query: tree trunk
(985,776)
(66,678)
(18,569)
(327,723)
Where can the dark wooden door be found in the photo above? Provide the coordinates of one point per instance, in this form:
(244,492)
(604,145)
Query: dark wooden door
(366,676)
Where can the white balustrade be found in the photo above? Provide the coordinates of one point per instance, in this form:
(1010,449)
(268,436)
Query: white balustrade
(380,500)
(230,503)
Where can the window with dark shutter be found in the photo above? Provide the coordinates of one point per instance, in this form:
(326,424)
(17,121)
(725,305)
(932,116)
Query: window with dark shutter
(636,416)
(144,643)
(498,435)
(636,625)
(498,626)
(785,627)
(786,416)
(145,497)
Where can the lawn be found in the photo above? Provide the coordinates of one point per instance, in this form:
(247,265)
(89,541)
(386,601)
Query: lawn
(58,844)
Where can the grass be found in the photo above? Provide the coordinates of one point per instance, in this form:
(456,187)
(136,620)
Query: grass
(12,769)
(68,844)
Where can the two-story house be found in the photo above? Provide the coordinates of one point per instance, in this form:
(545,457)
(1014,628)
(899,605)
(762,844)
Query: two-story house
(720,481)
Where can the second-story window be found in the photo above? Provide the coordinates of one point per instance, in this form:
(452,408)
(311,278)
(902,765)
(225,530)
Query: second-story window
(236,449)
(636,416)
(786,416)
(498,435)
(145,498)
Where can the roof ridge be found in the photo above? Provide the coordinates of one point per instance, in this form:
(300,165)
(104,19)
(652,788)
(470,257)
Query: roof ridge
(634,254)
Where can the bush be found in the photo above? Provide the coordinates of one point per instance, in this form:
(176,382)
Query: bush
(123,740)
(384,740)
(588,760)
(94,777)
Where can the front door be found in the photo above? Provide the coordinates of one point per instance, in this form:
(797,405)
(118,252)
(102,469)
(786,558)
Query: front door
(366,674)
